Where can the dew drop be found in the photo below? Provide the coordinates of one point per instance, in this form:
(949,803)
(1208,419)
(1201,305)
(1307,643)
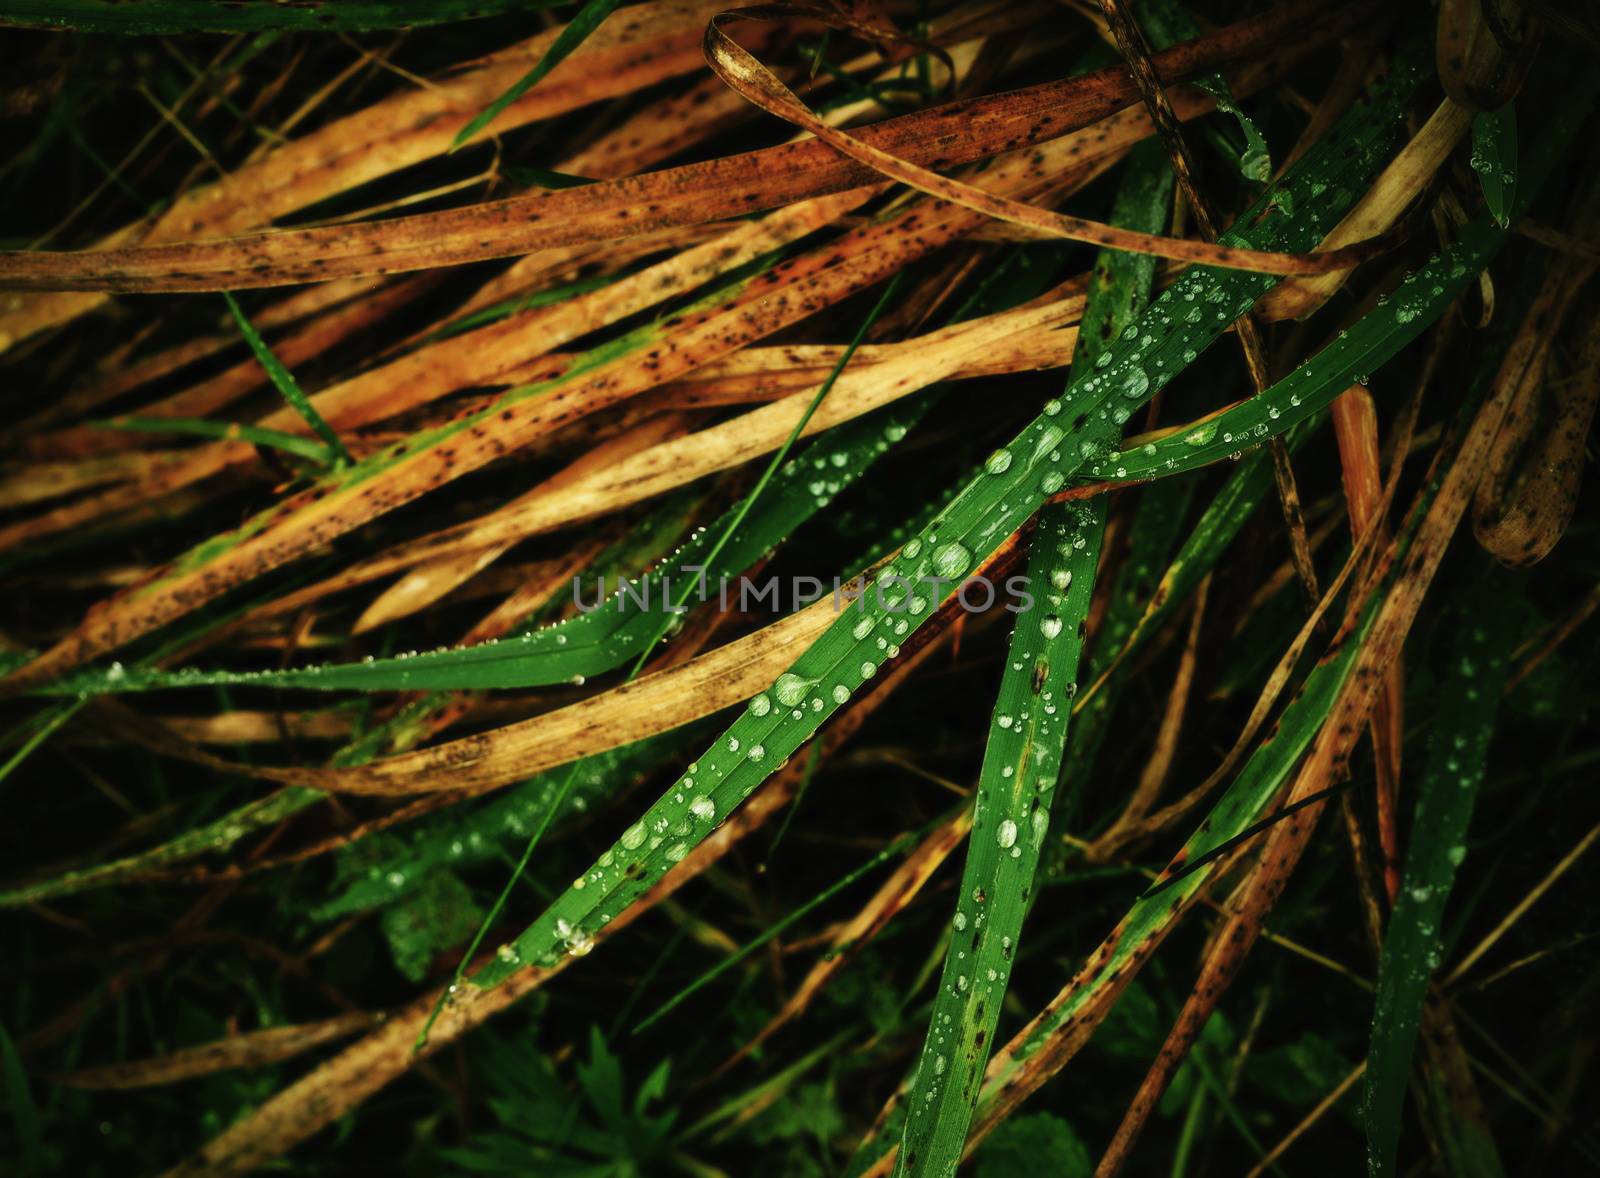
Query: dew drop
(790,689)
(952,560)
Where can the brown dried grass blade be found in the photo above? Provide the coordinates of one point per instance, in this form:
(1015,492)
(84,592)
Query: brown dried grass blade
(741,70)
(691,194)
(243,1049)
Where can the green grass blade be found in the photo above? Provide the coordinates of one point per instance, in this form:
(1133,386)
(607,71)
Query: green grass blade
(1259,780)
(981,516)
(1118,289)
(286,385)
(1027,735)
(1017,784)
(277,439)
(1152,916)
(39,729)
(1462,728)
(1494,158)
(724,533)
(1359,350)
(210,837)
(461,840)
(577,31)
(606,637)
(1165,23)
(653,538)
(1157,521)
(24,1113)
(595,641)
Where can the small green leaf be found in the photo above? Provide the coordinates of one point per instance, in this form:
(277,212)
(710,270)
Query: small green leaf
(1494,158)
(439,915)
(1298,1073)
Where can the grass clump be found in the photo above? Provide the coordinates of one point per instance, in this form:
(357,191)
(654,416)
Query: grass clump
(847,645)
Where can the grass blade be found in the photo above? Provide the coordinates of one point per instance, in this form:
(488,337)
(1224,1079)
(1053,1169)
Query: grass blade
(1028,735)
(1016,787)
(1358,350)
(1494,158)
(24,1113)
(587,20)
(283,380)
(1458,753)
(1165,23)
(277,439)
